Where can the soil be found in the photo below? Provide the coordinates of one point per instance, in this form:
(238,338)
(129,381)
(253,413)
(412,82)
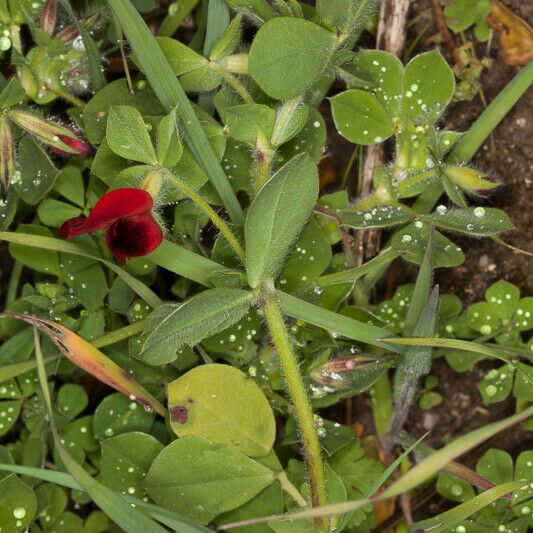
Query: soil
(507,156)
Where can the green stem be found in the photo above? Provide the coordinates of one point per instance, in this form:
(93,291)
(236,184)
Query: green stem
(118,335)
(233,82)
(302,406)
(349,166)
(381,393)
(14,280)
(15,38)
(290,489)
(211,213)
(265,158)
(66,96)
(492,116)
(176,15)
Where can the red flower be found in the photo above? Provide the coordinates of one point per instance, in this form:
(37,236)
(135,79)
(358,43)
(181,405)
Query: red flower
(126,215)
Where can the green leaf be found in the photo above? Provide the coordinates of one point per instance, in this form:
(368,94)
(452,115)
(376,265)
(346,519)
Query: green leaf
(268,501)
(117,414)
(311,139)
(127,135)
(228,41)
(18,504)
(12,94)
(258,10)
(522,386)
(36,174)
(288,56)
(54,213)
(169,148)
(9,413)
(429,400)
(481,317)
(247,121)
(411,242)
(277,215)
(503,297)
(126,460)
(96,110)
(69,183)
(171,326)
(380,73)
(211,478)
(360,117)
(497,384)
(473,221)
(381,216)
(224,405)
(428,86)
(193,70)
(72,399)
(311,257)
(496,466)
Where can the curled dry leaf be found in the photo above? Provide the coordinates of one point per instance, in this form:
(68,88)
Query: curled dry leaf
(92,360)
(516,35)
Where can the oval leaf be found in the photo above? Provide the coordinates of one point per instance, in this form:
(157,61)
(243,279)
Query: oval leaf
(224,405)
(277,216)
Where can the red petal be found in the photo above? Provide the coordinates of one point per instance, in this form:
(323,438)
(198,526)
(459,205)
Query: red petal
(116,204)
(133,236)
(120,203)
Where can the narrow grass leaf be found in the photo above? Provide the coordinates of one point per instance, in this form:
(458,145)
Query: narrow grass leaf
(17,369)
(49,243)
(168,89)
(448,519)
(118,510)
(334,322)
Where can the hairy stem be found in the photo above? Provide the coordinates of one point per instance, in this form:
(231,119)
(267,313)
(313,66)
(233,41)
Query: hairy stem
(212,214)
(233,82)
(302,407)
(290,489)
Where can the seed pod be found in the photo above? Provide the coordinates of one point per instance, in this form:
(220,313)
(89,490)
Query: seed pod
(7,155)
(61,139)
(49,16)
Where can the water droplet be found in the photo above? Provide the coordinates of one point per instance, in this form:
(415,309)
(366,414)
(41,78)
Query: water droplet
(407,238)
(491,390)
(485,329)
(441,209)
(457,490)
(479,212)
(19,512)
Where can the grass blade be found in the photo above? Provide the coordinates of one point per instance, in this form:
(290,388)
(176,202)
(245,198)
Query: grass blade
(173,20)
(343,325)
(187,264)
(115,507)
(58,245)
(169,518)
(168,89)
(458,344)
(448,519)
(16,369)
(417,475)
(350,275)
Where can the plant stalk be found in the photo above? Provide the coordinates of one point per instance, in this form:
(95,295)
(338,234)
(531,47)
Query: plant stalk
(302,407)
(233,82)
(212,214)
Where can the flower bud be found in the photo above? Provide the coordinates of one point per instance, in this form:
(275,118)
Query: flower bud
(471,180)
(49,16)
(345,372)
(7,154)
(152,183)
(61,139)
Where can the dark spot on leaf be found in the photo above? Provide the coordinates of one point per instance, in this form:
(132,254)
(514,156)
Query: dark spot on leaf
(179,414)
(190,400)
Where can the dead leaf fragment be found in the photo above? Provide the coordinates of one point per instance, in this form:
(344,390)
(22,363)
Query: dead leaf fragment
(516,35)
